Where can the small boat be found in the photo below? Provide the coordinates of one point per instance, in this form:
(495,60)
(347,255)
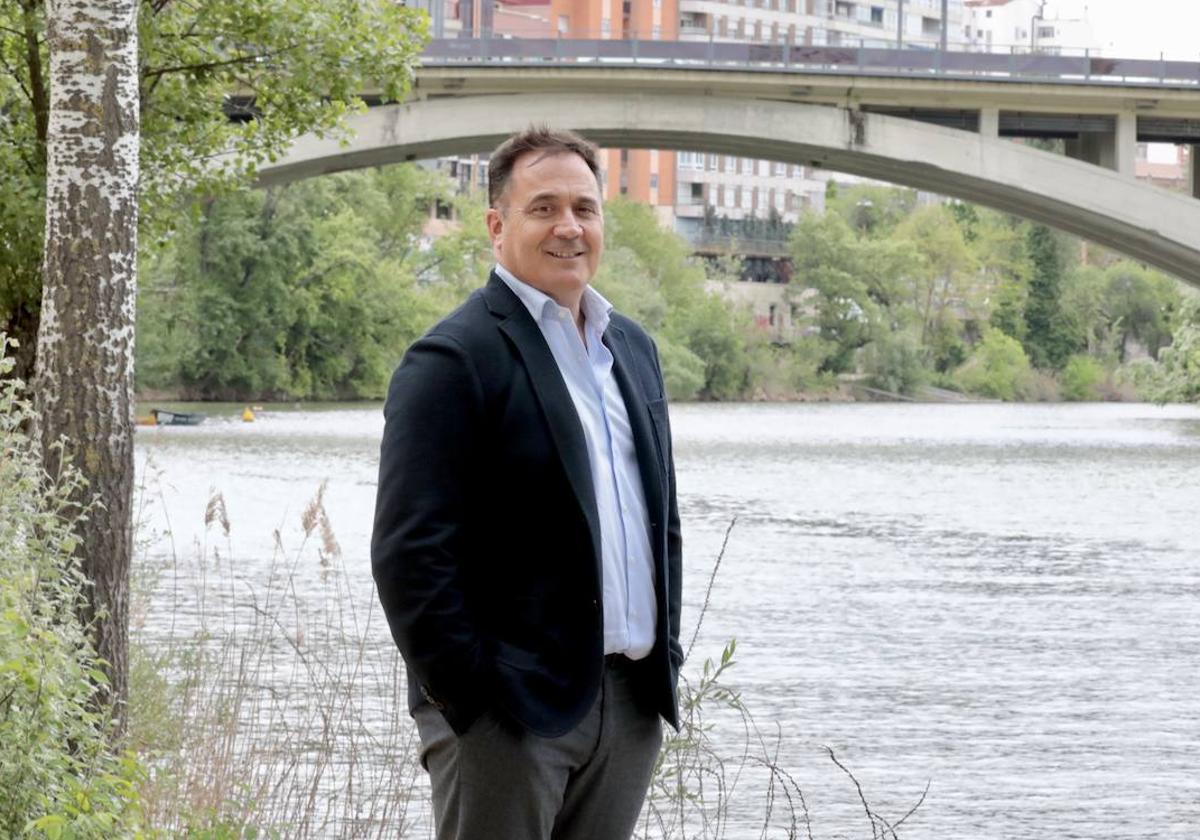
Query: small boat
(175,418)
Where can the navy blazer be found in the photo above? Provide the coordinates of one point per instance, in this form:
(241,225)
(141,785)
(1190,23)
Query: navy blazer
(486,546)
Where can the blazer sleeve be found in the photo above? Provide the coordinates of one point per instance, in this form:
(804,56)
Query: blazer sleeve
(674,541)
(433,425)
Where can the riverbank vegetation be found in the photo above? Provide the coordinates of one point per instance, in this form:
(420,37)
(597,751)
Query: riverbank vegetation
(313,290)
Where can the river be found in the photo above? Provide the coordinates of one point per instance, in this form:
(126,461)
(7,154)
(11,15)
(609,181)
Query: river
(999,600)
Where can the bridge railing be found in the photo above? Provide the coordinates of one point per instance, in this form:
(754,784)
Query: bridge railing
(881,61)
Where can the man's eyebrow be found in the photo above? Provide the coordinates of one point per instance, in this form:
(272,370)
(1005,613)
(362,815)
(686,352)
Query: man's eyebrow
(544,195)
(552,196)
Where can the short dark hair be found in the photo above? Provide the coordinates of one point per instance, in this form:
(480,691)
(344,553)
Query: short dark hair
(536,138)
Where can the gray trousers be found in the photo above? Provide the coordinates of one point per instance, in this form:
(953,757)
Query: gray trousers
(498,783)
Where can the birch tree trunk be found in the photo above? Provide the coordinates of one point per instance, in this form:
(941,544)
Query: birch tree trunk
(84,382)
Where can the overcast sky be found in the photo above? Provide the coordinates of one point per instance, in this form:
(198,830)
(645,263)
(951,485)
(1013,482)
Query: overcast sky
(1143,28)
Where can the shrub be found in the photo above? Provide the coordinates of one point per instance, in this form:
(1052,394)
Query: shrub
(998,368)
(895,362)
(683,370)
(1081,378)
(59,775)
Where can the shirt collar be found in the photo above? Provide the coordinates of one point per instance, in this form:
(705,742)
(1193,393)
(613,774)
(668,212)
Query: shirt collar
(595,306)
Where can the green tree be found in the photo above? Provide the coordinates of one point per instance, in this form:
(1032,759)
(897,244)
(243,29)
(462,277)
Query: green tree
(943,292)
(306,291)
(1177,378)
(279,69)
(872,209)
(861,284)
(1053,335)
(998,368)
(649,274)
(825,258)
(1141,306)
(999,245)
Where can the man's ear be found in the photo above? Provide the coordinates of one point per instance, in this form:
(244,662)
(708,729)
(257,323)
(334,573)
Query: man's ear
(495,225)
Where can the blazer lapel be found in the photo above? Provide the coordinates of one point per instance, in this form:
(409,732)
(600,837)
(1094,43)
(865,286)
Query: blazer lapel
(552,395)
(651,459)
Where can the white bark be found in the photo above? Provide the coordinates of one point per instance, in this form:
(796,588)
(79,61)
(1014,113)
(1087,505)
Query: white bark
(84,383)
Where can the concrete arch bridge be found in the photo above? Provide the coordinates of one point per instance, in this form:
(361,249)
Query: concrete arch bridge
(946,133)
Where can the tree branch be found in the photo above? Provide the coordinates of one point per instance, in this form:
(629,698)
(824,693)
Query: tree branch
(229,62)
(38,93)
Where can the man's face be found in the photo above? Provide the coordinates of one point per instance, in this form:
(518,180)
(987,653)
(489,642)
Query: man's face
(548,229)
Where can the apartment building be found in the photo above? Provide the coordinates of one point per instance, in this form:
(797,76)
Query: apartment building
(870,23)
(688,189)
(1027,26)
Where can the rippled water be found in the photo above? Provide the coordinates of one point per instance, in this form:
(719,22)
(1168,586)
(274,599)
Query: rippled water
(1001,600)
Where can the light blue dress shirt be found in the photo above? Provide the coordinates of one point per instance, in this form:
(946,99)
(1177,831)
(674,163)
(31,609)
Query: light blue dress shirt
(586,366)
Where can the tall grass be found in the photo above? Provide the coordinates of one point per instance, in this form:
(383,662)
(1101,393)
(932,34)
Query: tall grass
(270,707)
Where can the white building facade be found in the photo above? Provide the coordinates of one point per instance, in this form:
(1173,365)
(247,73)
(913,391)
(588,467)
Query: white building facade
(1027,26)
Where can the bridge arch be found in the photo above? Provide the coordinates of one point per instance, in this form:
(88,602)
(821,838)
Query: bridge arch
(1158,227)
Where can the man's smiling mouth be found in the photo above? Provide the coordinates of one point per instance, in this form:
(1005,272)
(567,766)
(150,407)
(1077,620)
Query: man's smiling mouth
(565,255)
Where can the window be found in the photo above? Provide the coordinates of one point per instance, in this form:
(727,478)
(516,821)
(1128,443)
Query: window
(780,168)
(605,27)
(1045,32)
(697,192)
(691,160)
(843,9)
(564,24)
(988,13)
(653,180)
(877,15)
(656,33)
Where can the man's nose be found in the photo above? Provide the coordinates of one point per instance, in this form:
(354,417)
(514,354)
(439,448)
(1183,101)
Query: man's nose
(567,226)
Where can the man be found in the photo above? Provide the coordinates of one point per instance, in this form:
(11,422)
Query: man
(526,545)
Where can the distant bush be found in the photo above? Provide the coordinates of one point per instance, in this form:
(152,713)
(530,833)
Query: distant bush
(1177,378)
(997,368)
(683,370)
(895,362)
(59,776)
(1081,379)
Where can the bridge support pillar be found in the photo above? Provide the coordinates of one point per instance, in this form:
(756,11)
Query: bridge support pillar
(1126,143)
(989,122)
(1116,151)
(1194,166)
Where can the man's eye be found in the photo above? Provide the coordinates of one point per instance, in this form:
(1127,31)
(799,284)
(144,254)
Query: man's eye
(586,211)
(541,209)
